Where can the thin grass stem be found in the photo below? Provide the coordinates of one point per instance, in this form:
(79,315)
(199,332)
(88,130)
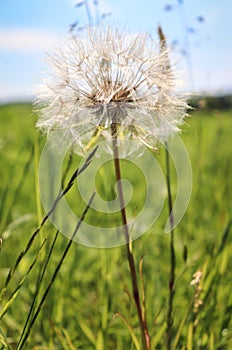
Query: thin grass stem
(36,170)
(20,284)
(172,254)
(21,179)
(23,340)
(62,193)
(38,286)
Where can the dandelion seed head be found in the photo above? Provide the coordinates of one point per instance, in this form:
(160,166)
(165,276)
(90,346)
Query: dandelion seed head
(104,76)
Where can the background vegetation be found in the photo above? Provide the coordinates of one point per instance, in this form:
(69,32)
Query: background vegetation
(89,306)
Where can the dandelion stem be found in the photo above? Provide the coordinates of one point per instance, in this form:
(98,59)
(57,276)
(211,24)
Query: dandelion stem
(172,255)
(142,321)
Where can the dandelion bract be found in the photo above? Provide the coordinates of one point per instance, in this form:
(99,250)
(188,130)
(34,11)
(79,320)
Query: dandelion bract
(104,76)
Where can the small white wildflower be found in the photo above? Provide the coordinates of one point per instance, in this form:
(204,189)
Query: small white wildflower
(196,278)
(103,76)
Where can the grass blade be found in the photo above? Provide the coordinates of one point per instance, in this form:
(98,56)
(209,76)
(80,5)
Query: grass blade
(35,233)
(130,329)
(16,291)
(23,340)
(38,286)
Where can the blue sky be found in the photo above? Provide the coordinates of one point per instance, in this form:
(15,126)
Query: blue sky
(201,30)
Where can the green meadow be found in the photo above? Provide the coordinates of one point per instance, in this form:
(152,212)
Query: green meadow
(57,295)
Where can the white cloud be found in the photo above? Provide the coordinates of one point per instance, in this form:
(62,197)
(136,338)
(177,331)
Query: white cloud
(26,39)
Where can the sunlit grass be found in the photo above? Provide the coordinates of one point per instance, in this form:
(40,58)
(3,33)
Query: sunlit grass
(93,284)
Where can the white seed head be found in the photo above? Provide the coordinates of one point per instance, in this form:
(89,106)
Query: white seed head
(103,76)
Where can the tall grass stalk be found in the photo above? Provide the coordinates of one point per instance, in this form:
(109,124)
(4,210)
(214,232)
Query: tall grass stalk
(38,287)
(130,328)
(172,253)
(163,46)
(36,169)
(62,193)
(136,295)
(20,284)
(23,339)
(7,202)
(104,289)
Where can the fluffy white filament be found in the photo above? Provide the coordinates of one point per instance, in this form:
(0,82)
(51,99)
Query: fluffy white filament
(103,76)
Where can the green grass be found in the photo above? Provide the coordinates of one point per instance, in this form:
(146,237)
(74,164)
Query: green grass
(93,285)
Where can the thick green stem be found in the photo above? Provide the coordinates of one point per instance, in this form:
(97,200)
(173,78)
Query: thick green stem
(142,321)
